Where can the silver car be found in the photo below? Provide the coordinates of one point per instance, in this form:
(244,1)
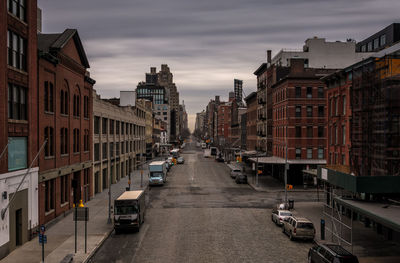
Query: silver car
(279,216)
(298,228)
(180,160)
(235,172)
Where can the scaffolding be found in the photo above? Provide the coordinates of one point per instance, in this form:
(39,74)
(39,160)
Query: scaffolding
(374,127)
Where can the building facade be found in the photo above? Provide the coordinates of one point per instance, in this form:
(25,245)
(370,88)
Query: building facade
(119,141)
(380,40)
(65,113)
(251,121)
(18,119)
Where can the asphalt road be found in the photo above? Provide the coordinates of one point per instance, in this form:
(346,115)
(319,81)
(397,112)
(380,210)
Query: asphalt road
(202,215)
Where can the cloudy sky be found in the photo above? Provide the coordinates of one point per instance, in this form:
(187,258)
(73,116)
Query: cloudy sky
(206,43)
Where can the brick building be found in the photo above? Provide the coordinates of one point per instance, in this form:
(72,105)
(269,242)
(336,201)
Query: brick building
(298,115)
(251,121)
(224,122)
(65,113)
(18,122)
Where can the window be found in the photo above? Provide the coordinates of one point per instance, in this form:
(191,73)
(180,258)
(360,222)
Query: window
(309,92)
(336,107)
(344,105)
(64,140)
(122,128)
(49,136)
(383,40)
(17,99)
(104,126)
(111,126)
(17,8)
(96,152)
(336,134)
(298,92)
(64,100)
(117,124)
(376,43)
(77,105)
(363,48)
(343,159)
(298,111)
(122,147)
(48,96)
(369,45)
(320,131)
(17,153)
(127,128)
(111,149)
(309,153)
(321,92)
(86,106)
(76,142)
(298,131)
(49,195)
(104,146)
(309,131)
(320,153)
(64,194)
(298,153)
(309,111)
(86,141)
(117,149)
(96,124)
(321,111)
(16,47)
(343,134)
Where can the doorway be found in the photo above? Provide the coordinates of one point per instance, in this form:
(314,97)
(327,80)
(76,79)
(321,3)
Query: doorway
(18,227)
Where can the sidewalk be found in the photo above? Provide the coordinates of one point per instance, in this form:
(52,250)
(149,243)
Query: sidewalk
(61,238)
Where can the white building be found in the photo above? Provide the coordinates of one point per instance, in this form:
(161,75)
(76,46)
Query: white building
(22,215)
(318,53)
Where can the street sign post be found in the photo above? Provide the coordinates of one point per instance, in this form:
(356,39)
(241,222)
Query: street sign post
(81,214)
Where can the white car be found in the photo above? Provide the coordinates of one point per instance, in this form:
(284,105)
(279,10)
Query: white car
(278,216)
(180,160)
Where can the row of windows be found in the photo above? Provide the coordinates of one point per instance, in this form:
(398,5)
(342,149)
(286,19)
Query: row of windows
(117,126)
(117,148)
(282,94)
(334,106)
(281,151)
(309,111)
(64,146)
(49,101)
(309,131)
(334,158)
(17,8)
(334,135)
(16,51)
(374,44)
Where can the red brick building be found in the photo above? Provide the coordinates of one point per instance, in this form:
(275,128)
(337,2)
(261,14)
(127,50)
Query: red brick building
(338,117)
(18,121)
(299,112)
(224,122)
(251,121)
(65,113)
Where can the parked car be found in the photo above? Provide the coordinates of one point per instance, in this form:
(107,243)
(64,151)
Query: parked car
(278,216)
(235,172)
(180,160)
(331,253)
(298,228)
(241,179)
(220,159)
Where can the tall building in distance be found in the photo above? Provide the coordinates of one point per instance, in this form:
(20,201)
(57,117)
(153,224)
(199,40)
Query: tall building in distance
(238,90)
(161,90)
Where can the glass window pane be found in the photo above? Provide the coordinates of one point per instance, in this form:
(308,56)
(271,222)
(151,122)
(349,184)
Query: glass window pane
(17,153)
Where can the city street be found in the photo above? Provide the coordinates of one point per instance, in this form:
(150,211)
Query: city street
(202,215)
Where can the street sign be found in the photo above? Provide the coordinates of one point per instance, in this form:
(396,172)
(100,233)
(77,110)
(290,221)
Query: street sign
(42,239)
(81,214)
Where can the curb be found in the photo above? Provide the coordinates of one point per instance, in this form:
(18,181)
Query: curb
(91,254)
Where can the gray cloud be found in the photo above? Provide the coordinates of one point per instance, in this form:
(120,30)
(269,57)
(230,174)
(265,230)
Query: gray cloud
(206,43)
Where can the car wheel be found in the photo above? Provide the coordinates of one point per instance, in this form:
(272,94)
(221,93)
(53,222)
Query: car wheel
(291,236)
(283,230)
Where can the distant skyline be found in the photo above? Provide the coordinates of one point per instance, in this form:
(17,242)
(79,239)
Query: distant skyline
(206,44)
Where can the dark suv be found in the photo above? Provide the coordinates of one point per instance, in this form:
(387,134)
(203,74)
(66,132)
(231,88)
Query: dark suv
(330,253)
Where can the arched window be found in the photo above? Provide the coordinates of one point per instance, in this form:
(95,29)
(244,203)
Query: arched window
(64,99)
(76,140)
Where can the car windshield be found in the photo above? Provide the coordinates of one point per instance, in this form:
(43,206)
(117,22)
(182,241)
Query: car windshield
(305,225)
(126,210)
(156,175)
(285,213)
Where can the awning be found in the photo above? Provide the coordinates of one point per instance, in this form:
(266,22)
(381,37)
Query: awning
(387,215)
(312,172)
(279,160)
